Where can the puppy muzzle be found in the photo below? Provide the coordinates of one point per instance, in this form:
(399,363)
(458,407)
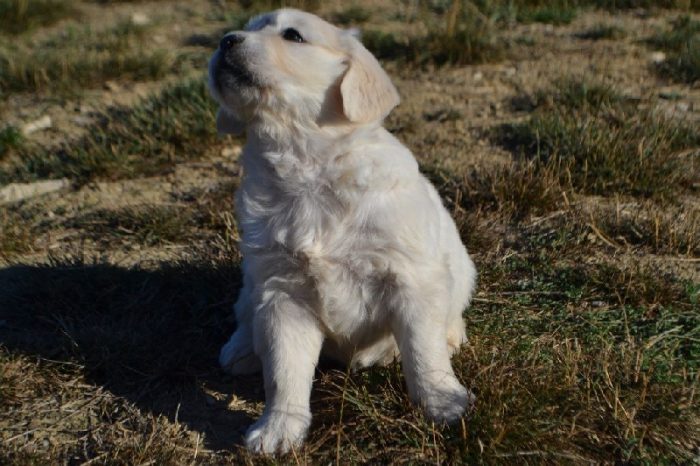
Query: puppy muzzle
(228,65)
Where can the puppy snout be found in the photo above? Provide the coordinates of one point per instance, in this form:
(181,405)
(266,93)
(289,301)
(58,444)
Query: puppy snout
(230,40)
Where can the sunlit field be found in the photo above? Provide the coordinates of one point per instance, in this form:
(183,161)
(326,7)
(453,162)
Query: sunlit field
(563,136)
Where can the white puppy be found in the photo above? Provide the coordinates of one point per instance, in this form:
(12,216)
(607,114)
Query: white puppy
(347,248)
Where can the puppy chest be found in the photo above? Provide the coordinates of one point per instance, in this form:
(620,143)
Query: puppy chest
(352,291)
(295,219)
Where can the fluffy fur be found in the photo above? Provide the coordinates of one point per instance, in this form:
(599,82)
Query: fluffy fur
(348,250)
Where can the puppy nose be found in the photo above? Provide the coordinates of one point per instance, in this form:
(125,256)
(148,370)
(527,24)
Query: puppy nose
(229,40)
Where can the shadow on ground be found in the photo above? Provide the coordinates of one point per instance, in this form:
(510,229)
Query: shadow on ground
(149,336)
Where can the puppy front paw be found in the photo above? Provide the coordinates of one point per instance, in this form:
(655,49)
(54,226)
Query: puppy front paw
(277,433)
(446,404)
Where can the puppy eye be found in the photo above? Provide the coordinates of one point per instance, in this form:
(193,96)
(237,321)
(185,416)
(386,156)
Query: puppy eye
(292,35)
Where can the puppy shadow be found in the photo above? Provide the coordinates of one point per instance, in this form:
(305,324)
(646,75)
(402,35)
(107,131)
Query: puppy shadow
(149,336)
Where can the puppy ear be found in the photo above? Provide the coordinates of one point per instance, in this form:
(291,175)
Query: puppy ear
(367,92)
(228,123)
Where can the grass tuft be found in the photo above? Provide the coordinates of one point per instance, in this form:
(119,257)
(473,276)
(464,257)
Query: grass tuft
(557,13)
(474,42)
(81,57)
(150,138)
(10,139)
(147,225)
(656,229)
(515,191)
(602,145)
(682,43)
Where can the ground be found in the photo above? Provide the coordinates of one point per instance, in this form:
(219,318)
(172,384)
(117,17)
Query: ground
(563,137)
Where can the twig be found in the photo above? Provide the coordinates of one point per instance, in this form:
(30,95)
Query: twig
(600,235)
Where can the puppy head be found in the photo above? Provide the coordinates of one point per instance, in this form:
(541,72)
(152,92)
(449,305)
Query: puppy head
(291,66)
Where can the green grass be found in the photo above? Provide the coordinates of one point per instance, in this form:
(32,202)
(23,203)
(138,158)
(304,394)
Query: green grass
(603,145)
(556,14)
(18,16)
(564,377)
(150,138)
(682,43)
(81,57)
(10,139)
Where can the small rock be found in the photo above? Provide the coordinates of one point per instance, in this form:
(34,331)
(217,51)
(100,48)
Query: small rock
(37,125)
(597,303)
(139,19)
(682,106)
(112,86)
(657,57)
(82,121)
(478,76)
(14,192)
(670,95)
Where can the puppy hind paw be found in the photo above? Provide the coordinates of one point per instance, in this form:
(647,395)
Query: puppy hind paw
(237,357)
(277,433)
(447,405)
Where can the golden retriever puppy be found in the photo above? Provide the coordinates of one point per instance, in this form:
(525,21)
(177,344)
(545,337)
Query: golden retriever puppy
(347,248)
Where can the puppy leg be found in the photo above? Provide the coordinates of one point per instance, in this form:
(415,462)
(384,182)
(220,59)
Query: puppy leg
(456,335)
(425,359)
(288,341)
(237,356)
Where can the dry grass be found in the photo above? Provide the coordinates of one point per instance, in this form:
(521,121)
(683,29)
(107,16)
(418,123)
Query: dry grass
(147,225)
(646,226)
(16,236)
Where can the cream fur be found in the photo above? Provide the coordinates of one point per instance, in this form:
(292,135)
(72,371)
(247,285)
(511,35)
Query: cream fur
(347,248)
